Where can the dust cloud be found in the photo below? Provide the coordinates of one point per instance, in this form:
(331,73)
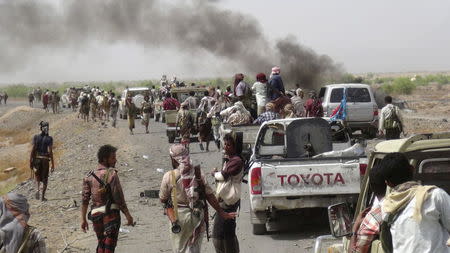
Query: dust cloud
(30,28)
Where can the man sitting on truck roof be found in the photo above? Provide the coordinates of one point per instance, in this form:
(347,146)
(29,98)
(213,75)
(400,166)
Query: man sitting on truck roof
(268,115)
(367,226)
(421,213)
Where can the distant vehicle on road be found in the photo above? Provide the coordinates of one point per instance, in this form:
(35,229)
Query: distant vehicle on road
(137,94)
(170,116)
(362,109)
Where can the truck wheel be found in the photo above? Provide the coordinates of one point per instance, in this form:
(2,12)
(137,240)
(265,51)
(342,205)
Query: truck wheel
(259,229)
(171,139)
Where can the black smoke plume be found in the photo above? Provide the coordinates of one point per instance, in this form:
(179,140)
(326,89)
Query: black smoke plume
(29,28)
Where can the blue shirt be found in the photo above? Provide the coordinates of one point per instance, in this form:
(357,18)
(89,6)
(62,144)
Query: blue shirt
(42,142)
(276,83)
(266,116)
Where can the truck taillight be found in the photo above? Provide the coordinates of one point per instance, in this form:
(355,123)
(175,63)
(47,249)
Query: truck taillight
(255,181)
(375,111)
(362,169)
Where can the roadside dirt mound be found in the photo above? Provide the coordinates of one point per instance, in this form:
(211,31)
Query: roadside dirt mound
(17,128)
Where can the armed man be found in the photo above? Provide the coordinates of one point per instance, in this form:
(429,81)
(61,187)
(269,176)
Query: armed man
(41,155)
(185,193)
(103,187)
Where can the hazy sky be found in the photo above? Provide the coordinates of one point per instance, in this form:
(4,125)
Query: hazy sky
(365,36)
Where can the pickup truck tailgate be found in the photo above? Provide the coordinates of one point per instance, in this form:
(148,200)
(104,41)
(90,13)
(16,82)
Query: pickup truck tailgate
(310,179)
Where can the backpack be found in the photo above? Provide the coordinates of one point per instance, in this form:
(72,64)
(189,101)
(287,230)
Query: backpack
(187,120)
(393,121)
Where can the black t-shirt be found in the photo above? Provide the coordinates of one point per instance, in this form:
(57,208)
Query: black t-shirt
(42,142)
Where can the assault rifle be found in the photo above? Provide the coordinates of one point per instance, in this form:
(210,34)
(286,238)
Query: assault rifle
(202,197)
(107,187)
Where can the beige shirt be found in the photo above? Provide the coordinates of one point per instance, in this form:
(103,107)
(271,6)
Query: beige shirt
(166,188)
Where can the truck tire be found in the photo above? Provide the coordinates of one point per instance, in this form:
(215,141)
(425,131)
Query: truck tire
(171,139)
(259,229)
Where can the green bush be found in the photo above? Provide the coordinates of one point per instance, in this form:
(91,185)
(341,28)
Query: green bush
(17,90)
(401,85)
(387,88)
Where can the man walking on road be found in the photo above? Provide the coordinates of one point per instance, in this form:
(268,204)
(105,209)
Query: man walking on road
(228,192)
(184,193)
(390,123)
(114,108)
(103,187)
(41,155)
(146,108)
(131,112)
(418,215)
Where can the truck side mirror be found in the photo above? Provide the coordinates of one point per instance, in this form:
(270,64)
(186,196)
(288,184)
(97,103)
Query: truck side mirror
(340,220)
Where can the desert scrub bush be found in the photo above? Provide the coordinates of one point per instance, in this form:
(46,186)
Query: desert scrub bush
(400,85)
(17,90)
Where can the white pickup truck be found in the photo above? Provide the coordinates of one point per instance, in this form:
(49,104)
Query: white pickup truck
(291,171)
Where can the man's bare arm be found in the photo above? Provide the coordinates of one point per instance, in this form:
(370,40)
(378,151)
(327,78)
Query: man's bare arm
(50,152)
(32,155)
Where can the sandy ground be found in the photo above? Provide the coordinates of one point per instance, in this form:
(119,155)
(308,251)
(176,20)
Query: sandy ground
(139,157)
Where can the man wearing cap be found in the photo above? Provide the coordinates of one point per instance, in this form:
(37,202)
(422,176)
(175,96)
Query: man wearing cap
(276,84)
(184,192)
(260,90)
(41,155)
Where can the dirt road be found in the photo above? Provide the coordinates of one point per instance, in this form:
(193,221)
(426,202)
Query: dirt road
(139,157)
(151,232)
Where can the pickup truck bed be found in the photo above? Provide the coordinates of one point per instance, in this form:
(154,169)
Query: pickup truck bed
(286,174)
(249,133)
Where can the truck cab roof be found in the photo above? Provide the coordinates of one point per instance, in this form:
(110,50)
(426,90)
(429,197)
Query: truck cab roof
(415,143)
(138,88)
(348,85)
(188,89)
